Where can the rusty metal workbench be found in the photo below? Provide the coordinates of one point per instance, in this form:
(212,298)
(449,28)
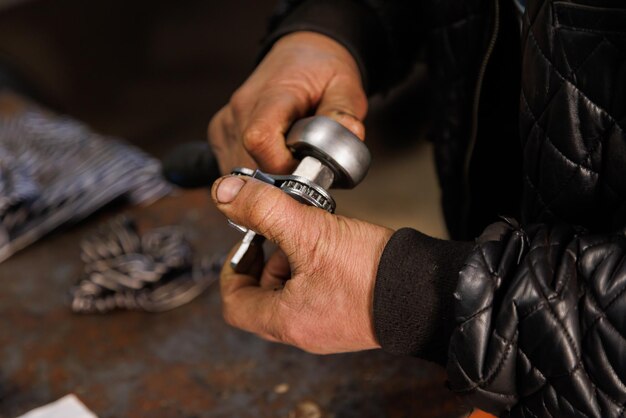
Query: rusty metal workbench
(186,362)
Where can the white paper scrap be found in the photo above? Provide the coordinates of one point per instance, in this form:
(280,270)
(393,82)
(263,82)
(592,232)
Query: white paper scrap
(68,406)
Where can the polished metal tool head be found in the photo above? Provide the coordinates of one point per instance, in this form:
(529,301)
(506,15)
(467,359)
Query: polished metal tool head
(334,146)
(330,156)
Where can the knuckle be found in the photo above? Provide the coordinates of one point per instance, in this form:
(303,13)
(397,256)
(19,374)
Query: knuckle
(239,101)
(255,138)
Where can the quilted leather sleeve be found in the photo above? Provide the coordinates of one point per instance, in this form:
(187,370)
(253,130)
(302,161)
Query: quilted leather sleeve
(541,323)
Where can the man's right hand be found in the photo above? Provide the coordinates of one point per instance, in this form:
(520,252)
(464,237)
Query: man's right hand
(302,73)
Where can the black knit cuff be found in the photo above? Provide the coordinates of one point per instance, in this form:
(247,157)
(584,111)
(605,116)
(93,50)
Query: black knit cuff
(413,296)
(354,25)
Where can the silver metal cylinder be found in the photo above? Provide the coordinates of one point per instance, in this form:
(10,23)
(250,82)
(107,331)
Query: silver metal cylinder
(334,146)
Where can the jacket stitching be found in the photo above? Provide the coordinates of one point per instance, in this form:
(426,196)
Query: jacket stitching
(536,308)
(562,187)
(523,353)
(619,292)
(565,80)
(584,61)
(545,245)
(564,157)
(579,364)
(475,385)
(593,31)
(487,263)
(491,375)
(539,9)
(537,124)
(474,266)
(614,373)
(541,199)
(593,103)
(559,38)
(598,140)
(593,246)
(524,407)
(550,310)
(560,153)
(559,396)
(597,390)
(542,387)
(546,204)
(547,382)
(572,73)
(602,313)
(452,356)
(474,315)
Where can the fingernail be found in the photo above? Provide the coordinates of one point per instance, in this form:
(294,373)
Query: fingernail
(228,189)
(350,122)
(344,114)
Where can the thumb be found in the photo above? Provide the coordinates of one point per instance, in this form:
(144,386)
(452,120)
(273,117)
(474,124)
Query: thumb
(344,100)
(266,210)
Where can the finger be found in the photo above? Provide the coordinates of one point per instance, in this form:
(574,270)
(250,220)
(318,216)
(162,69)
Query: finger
(269,211)
(264,130)
(225,142)
(344,100)
(251,309)
(276,271)
(245,304)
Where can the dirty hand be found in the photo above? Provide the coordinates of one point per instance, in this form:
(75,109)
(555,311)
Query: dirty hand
(316,291)
(304,71)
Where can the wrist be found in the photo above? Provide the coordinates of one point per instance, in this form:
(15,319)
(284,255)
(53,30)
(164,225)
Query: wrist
(414,294)
(354,25)
(308,42)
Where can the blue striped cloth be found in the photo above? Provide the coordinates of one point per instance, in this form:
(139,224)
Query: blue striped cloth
(55,170)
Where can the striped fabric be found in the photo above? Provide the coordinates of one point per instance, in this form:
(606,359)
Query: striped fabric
(55,170)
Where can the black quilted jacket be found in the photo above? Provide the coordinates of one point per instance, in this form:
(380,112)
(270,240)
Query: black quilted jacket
(529,123)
